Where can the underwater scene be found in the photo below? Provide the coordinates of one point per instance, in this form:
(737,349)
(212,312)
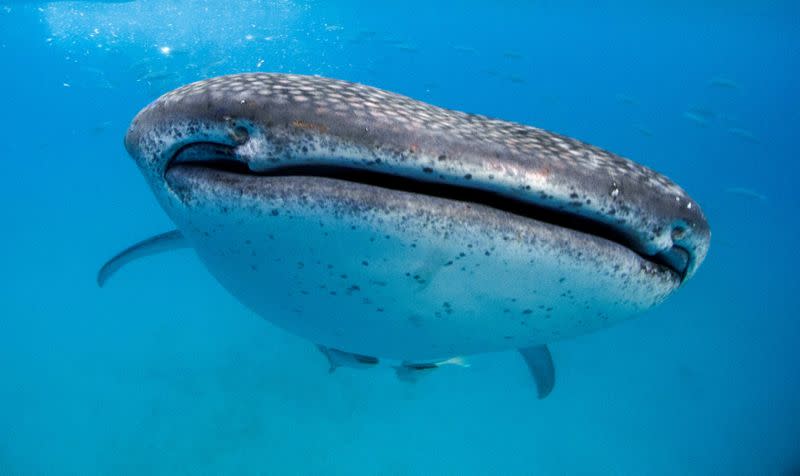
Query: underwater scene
(399,238)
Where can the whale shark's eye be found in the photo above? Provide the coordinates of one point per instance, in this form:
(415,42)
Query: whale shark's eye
(678,233)
(239,134)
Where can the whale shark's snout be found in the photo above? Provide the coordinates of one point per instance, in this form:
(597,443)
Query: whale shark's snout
(272,126)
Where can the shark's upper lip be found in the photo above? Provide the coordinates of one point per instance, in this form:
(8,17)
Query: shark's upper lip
(221,158)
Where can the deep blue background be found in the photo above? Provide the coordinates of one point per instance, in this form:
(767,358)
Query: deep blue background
(163,372)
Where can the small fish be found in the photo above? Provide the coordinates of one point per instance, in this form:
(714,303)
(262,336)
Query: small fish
(153,76)
(747,193)
(696,118)
(464,49)
(206,69)
(411,372)
(700,115)
(643,130)
(625,99)
(723,83)
(456,362)
(363,37)
(744,134)
(141,65)
(729,118)
(406,47)
(703,112)
(93,70)
(512,55)
(101,127)
(104,83)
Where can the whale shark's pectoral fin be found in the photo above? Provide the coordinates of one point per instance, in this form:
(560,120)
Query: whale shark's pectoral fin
(339,358)
(331,361)
(171,240)
(540,363)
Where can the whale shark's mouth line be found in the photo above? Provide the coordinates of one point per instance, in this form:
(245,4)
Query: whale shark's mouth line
(221,158)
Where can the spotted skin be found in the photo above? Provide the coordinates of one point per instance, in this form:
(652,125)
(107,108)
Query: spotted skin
(293,118)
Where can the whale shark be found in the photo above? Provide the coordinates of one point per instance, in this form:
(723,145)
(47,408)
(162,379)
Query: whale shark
(379,227)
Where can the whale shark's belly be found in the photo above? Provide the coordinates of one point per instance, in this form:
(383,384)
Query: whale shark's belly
(408,278)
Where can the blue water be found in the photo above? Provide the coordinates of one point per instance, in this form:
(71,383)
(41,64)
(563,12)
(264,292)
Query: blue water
(162,372)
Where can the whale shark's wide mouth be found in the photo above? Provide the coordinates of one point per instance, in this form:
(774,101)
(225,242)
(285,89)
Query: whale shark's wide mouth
(221,159)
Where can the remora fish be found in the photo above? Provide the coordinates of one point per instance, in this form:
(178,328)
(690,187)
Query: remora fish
(380,226)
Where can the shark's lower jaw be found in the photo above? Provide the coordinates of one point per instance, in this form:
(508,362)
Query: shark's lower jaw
(400,274)
(219,161)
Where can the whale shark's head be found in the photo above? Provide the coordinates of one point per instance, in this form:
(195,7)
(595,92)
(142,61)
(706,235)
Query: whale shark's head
(281,137)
